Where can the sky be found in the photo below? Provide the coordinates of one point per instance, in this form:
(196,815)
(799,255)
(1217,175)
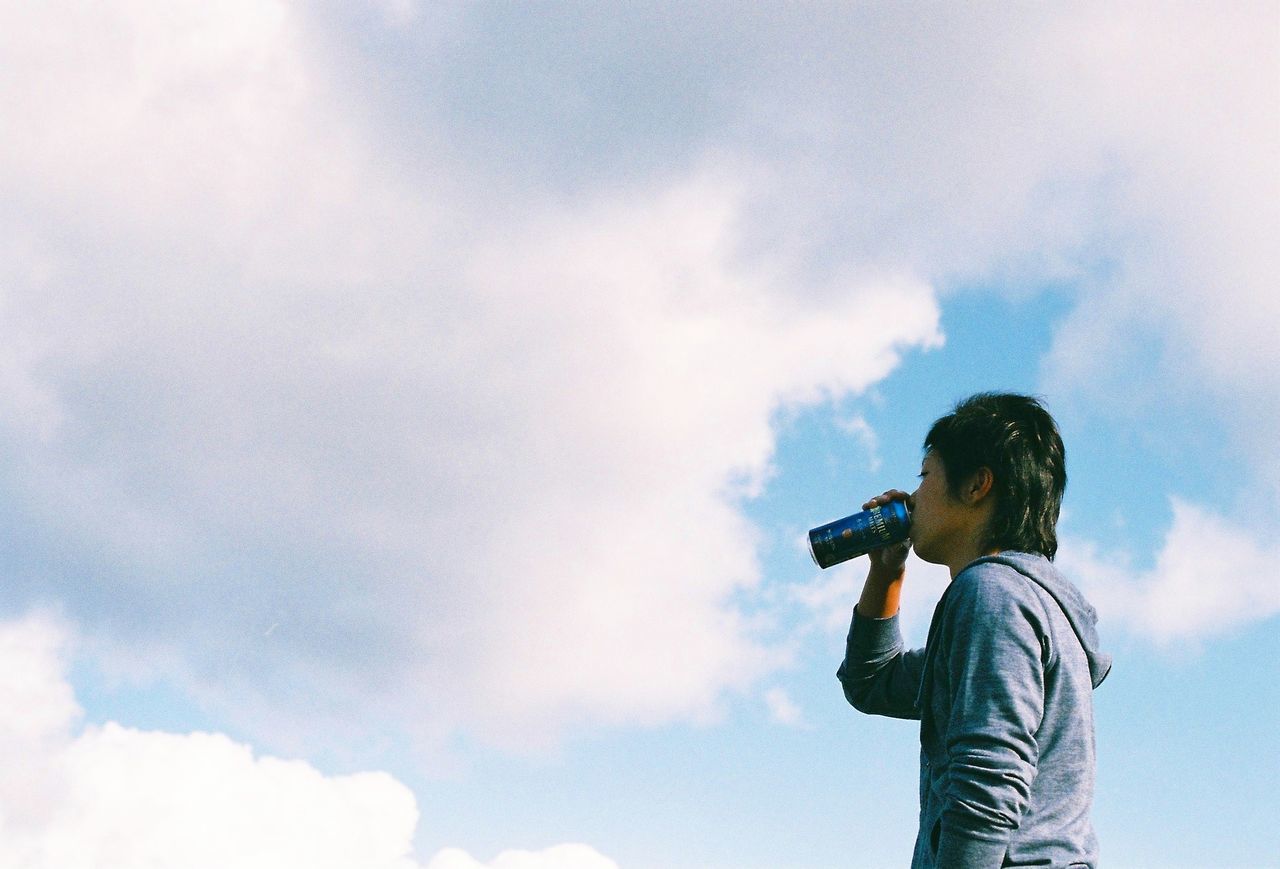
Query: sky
(411,413)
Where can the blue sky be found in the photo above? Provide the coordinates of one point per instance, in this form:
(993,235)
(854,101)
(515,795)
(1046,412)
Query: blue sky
(412,414)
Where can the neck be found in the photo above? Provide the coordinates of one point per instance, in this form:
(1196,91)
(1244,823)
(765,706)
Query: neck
(963,559)
(971,544)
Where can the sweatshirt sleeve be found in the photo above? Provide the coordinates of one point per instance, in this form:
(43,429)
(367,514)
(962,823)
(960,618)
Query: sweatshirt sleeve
(994,625)
(879,675)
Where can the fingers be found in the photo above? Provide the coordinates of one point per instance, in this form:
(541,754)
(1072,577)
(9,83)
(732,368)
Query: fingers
(891,558)
(890,495)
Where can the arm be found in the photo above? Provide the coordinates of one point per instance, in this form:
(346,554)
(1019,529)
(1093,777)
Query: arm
(879,676)
(883,588)
(882,592)
(996,678)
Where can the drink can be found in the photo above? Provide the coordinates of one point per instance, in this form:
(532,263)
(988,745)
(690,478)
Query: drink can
(859,534)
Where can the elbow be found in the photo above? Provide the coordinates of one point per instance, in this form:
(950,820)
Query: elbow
(988,794)
(857,691)
(856,700)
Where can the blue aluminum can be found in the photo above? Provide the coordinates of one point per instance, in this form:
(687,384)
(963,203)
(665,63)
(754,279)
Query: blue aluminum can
(860,533)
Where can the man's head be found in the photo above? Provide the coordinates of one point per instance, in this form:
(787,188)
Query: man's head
(1017,441)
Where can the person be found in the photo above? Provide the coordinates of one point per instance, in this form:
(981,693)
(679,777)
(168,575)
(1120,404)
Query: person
(1003,686)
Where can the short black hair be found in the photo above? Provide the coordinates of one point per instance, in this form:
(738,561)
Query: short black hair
(1016,438)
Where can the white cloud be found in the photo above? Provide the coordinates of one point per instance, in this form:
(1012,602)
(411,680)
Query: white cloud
(1209,579)
(113,797)
(143,798)
(36,709)
(557,857)
(1187,316)
(782,708)
(330,413)
(866,436)
(327,452)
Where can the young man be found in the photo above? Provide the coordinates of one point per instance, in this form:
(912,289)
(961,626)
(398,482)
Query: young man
(1002,688)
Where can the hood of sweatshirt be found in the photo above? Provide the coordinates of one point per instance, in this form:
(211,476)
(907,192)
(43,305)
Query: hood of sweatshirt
(1079,612)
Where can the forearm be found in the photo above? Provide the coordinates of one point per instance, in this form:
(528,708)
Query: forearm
(881,593)
(959,851)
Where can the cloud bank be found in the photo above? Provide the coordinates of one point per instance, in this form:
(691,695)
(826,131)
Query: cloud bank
(112,797)
(557,857)
(330,460)
(1209,579)
(406,379)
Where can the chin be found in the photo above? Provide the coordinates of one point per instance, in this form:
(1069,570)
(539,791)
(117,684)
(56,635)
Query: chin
(925,555)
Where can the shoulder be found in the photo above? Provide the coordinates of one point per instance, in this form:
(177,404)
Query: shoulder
(990,588)
(985,580)
(993,611)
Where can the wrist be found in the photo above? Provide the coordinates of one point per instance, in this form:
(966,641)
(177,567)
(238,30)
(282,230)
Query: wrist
(883,575)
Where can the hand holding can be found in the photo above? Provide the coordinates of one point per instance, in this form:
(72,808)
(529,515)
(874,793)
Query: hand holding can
(886,522)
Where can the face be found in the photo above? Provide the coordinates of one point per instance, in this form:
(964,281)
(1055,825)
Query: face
(937,519)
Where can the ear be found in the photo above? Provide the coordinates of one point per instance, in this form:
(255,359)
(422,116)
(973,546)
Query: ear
(979,485)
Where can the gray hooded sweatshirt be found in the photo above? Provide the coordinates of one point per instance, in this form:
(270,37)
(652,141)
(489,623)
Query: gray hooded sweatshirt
(1003,692)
